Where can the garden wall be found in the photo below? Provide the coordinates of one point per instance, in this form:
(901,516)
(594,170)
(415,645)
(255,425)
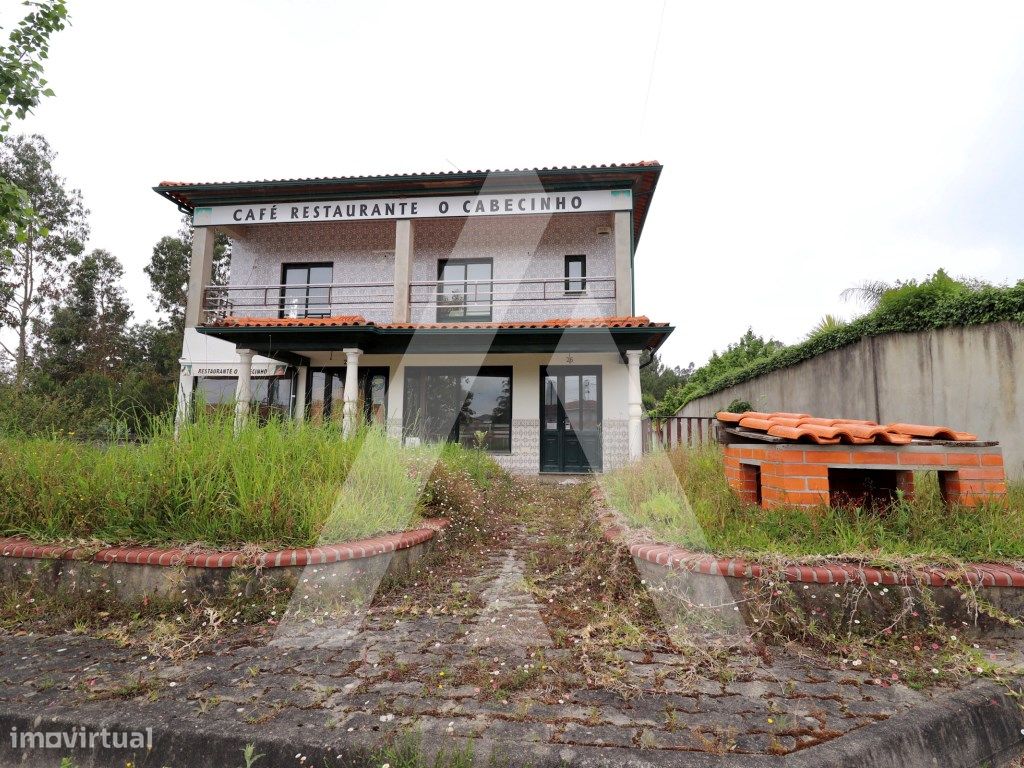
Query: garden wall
(969,378)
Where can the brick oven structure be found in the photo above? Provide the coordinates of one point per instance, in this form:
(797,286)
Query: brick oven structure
(855,463)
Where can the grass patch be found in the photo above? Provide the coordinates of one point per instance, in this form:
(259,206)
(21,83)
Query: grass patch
(682,497)
(278,484)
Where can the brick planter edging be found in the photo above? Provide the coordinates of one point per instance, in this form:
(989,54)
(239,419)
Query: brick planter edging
(329,553)
(670,556)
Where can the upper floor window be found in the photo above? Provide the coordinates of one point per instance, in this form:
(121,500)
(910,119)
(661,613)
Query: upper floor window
(575,274)
(464,290)
(306,291)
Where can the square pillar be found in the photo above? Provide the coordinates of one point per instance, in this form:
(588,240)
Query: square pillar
(403,270)
(623,263)
(351,397)
(200,273)
(243,390)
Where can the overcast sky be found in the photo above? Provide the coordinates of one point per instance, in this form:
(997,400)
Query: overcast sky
(807,146)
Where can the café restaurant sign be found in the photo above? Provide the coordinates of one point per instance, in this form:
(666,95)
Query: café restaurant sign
(417,207)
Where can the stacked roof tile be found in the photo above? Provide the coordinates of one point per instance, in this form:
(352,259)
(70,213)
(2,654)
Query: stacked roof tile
(805,428)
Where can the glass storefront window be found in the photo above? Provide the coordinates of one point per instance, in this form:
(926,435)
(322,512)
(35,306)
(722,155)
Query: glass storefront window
(461,405)
(270,396)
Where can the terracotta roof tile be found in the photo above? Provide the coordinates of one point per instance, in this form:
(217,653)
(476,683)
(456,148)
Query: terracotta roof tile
(801,427)
(934,432)
(358,320)
(285,322)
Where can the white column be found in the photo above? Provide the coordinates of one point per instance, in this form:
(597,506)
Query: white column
(184,410)
(243,391)
(636,410)
(300,393)
(348,423)
(200,272)
(623,264)
(403,269)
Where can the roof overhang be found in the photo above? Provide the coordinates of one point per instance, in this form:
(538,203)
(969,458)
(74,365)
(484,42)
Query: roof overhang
(371,339)
(640,178)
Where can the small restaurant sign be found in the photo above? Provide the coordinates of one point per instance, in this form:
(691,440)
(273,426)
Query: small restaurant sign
(230,370)
(584,201)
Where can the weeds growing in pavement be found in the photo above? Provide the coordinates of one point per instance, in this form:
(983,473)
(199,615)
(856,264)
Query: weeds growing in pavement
(407,752)
(164,628)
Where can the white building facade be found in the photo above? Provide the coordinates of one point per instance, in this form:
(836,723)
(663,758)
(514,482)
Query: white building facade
(490,308)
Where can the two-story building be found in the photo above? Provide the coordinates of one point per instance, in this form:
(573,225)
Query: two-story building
(490,308)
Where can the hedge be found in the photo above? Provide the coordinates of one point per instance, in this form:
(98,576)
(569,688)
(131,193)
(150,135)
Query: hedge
(937,303)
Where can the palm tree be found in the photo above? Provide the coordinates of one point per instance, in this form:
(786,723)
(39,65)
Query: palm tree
(868,291)
(826,324)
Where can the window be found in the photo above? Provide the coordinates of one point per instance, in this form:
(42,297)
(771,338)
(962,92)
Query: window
(271,396)
(464,290)
(575,272)
(306,291)
(461,405)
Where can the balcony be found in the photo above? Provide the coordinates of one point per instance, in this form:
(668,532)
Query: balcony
(469,301)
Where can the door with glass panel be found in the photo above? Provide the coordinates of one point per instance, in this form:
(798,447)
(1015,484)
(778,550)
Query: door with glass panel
(570,426)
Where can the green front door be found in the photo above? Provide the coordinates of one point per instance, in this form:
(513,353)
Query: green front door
(570,419)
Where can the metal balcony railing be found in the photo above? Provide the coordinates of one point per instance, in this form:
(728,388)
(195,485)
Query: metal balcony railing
(471,300)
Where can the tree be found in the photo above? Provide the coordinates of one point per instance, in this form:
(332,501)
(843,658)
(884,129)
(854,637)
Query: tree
(750,349)
(87,332)
(55,235)
(21,88)
(168,271)
(656,379)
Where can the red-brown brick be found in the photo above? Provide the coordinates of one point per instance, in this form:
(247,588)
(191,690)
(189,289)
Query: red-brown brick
(798,475)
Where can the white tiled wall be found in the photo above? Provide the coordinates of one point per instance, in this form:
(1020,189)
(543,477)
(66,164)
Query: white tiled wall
(363,252)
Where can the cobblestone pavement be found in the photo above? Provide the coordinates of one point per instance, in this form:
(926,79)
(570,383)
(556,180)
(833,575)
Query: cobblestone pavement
(472,675)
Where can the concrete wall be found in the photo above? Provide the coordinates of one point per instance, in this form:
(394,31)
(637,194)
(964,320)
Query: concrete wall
(969,378)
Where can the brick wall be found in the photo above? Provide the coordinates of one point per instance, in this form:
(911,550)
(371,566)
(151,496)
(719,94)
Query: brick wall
(808,475)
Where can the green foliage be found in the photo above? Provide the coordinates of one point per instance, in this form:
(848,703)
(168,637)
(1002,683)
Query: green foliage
(87,330)
(38,254)
(168,270)
(683,498)
(21,88)
(277,484)
(738,406)
(750,349)
(827,324)
(656,379)
(937,302)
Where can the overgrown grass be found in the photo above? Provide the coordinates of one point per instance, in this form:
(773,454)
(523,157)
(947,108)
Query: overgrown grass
(277,484)
(683,498)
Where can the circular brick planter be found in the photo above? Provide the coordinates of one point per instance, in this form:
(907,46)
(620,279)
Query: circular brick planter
(834,592)
(137,571)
